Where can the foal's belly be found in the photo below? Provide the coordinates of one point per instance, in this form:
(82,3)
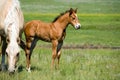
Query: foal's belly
(45,38)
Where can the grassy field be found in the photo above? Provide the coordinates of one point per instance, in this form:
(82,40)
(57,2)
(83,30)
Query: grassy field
(100,27)
(84,6)
(75,65)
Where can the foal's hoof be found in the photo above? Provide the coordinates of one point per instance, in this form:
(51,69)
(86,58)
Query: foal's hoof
(28,69)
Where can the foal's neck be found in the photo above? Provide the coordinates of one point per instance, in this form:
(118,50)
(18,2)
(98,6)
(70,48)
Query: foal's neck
(62,22)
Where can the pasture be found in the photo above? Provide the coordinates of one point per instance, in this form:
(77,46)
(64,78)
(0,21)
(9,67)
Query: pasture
(79,61)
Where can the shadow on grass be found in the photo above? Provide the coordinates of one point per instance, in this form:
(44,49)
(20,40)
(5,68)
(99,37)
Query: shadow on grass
(20,68)
(33,68)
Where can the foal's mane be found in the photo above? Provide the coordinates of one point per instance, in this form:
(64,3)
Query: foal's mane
(61,14)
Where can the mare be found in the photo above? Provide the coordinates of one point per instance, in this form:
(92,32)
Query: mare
(11,27)
(50,32)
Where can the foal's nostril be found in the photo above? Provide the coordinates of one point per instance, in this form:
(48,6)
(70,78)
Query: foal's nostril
(77,26)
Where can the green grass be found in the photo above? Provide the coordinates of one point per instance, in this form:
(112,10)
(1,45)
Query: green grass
(74,65)
(100,26)
(84,6)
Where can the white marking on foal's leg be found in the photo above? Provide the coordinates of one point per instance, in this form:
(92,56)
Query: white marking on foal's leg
(28,69)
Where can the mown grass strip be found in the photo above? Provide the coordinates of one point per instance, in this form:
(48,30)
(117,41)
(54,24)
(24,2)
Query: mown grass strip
(54,14)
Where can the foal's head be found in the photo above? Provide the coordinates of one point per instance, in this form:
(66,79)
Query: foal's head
(73,18)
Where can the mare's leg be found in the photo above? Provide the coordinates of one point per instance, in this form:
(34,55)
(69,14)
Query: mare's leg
(30,44)
(0,45)
(4,45)
(0,40)
(22,44)
(59,51)
(54,52)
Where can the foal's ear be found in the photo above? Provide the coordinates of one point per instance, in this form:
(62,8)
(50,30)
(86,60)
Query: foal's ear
(76,10)
(71,11)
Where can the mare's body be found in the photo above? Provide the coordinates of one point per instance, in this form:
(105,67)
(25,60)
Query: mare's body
(11,26)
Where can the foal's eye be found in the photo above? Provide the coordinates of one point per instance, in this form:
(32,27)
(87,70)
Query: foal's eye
(73,18)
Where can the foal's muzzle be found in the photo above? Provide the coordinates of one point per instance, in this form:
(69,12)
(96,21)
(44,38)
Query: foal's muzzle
(78,26)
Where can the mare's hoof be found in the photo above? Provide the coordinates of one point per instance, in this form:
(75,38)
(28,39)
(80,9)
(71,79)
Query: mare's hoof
(3,68)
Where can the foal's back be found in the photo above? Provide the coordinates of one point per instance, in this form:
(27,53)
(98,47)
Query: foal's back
(37,28)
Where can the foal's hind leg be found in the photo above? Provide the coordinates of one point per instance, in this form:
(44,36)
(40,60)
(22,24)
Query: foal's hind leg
(27,51)
(54,52)
(30,44)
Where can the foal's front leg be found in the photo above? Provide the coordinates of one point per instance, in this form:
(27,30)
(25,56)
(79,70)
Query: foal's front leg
(54,52)
(59,46)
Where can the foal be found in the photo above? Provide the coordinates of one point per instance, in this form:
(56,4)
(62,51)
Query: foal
(50,32)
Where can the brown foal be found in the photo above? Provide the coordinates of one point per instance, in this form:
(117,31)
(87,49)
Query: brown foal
(50,32)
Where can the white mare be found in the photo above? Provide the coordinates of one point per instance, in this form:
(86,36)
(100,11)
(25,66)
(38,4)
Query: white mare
(11,25)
